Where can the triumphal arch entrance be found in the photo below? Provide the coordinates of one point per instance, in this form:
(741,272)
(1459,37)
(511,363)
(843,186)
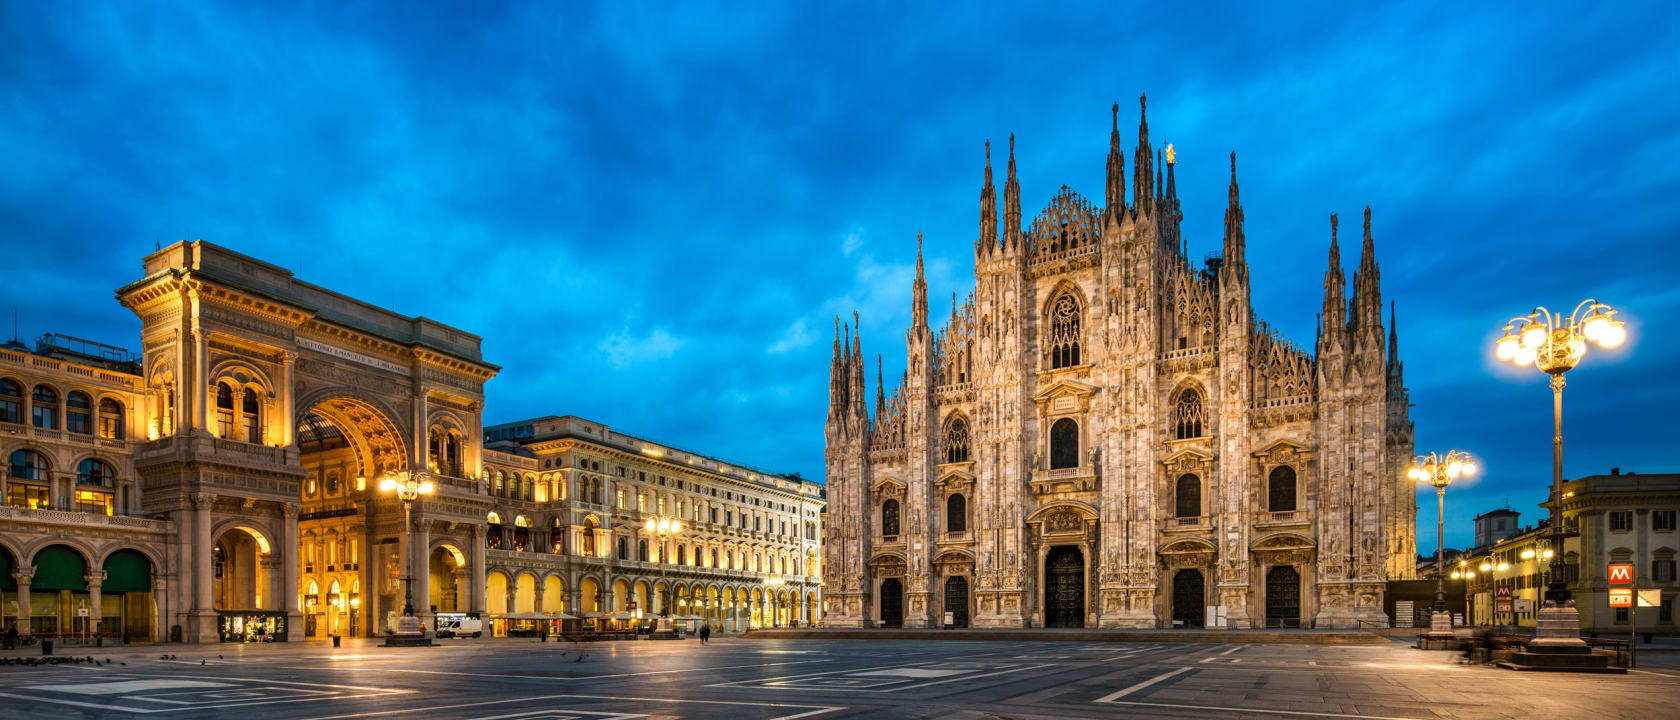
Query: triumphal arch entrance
(273,409)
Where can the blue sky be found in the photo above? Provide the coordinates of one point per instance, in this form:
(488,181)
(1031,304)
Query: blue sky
(652,212)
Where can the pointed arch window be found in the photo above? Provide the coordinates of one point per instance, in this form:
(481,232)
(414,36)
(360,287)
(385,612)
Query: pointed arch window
(1188,414)
(889,517)
(1064,332)
(1187,496)
(1064,444)
(956,514)
(1280,490)
(956,439)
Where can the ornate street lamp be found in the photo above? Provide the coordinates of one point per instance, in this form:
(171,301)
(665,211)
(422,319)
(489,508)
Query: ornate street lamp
(408,486)
(664,527)
(1554,344)
(1440,471)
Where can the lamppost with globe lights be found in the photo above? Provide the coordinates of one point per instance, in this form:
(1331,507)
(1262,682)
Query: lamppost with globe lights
(661,528)
(408,486)
(1440,471)
(1554,344)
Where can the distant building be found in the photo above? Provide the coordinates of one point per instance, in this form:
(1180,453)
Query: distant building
(1495,525)
(1620,518)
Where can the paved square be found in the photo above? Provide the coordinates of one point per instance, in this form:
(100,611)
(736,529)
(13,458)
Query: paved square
(823,679)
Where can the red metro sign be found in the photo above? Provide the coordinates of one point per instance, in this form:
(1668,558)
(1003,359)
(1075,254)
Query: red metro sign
(1621,573)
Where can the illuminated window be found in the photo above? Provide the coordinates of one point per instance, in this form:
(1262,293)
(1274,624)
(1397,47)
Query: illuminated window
(44,405)
(110,419)
(11,401)
(224,411)
(78,413)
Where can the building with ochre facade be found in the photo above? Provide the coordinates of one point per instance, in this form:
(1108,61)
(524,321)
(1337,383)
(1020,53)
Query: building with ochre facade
(1103,433)
(222,483)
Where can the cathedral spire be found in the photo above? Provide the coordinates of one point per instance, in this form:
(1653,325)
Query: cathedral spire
(1011,203)
(1334,315)
(1393,344)
(1116,188)
(1159,186)
(836,376)
(1236,262)
(1172,183)
(860,403)
(1143,190)
(880,391)
(988,241)
(919,301)
(1367,285)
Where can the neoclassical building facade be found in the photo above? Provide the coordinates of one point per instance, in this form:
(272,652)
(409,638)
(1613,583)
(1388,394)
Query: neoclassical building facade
(222,483)
(1104,434)
(568,530)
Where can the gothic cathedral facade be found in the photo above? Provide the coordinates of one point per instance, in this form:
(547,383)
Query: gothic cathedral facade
(1104,435)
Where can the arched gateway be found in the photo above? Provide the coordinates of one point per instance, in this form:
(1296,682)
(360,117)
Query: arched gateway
(277,404)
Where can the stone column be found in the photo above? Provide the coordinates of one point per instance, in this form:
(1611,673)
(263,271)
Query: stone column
(463,588)
(160,616)
(476,584)
(95,580)
(288,426)
(420,569)
(537,595)
(290,547)
(24,575)
(202,626)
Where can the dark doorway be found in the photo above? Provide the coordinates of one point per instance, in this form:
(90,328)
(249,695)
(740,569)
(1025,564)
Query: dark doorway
(1283,597)
(892,603)
(1189,598)
(956,600)
(1064,587)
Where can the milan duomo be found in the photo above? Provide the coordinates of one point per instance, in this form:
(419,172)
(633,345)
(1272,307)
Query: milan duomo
(1103,435)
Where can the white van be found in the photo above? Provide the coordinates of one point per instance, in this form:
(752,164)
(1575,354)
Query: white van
(461,627)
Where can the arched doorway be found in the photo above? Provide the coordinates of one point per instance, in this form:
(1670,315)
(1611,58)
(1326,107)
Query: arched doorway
(446,568)
(58,591)
(956,600)
(495,601)
(1064,587)
(126,595)
(1189,598)
(892,603)
(9,609)
(1283,597)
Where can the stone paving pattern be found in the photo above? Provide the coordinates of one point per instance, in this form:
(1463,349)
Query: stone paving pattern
(758,679)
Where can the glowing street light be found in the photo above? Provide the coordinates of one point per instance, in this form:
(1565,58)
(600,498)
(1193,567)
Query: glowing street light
(1554,344)
(408,487)
(1440,471)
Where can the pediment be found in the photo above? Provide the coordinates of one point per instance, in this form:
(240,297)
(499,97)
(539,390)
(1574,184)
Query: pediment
(1283,447)
(1186,546)
(1283,541)
(1188,455)
(1064,388)
(888,485)
(954,476)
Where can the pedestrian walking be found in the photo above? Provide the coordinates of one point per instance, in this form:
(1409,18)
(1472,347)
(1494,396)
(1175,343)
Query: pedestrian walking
(705,634)
(11,638)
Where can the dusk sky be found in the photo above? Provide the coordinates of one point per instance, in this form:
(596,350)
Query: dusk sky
(652,213)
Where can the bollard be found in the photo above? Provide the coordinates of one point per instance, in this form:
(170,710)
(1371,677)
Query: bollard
(46,647)
(545,637)
(335,640)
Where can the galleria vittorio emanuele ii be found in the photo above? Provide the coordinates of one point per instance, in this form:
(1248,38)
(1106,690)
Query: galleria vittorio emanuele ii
(1103,433)
(223,484)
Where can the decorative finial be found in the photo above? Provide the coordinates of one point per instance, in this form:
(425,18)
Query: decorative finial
(1143,104)
(1333,223)
(1170,154)
(1233,162)
(1117,116)
(988,151)
(1011,145)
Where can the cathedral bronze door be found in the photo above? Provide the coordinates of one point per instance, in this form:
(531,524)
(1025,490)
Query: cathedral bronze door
(1064,587)
(892,603)
(1283,597)
(956,600)
(1189,598)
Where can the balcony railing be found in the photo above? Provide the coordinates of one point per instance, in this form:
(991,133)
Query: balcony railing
(70,517)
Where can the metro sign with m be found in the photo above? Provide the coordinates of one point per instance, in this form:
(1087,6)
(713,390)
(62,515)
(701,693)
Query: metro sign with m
(1621,573)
